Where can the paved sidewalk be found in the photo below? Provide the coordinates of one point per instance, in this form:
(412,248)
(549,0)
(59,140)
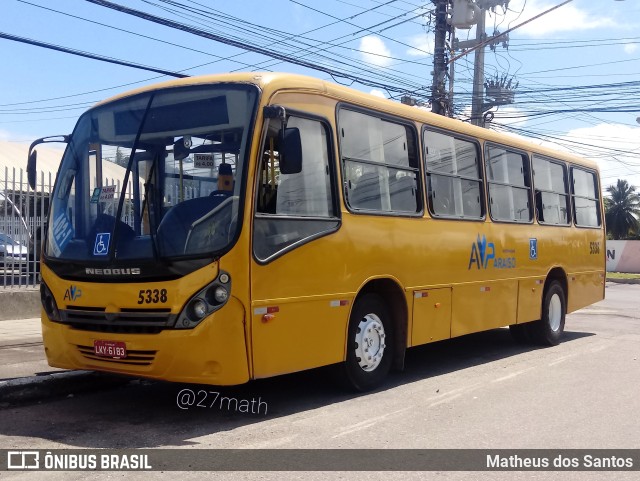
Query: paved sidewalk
(25,376)
(20,331)
(21,350)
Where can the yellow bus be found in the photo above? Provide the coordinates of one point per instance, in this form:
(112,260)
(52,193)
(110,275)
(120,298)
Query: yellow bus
(262,224)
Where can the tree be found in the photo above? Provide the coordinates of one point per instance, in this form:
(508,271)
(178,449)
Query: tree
(121,159)
(622,210)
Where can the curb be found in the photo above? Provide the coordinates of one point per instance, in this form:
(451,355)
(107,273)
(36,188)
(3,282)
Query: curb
(55,384)
(20,303)
(624,281)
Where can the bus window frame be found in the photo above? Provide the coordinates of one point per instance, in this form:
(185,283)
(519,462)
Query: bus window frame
(419,213)
(597,199)
(482,179)
(333,181)
(530,196)
(567,167)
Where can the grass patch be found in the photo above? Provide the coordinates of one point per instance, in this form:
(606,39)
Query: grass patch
(622,275)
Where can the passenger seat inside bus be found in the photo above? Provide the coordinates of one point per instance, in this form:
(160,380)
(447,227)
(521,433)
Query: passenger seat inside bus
(176,224)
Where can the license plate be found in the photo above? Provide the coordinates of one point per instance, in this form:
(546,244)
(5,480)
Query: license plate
(111,349)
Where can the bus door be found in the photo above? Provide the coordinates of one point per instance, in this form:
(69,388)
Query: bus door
(297,321)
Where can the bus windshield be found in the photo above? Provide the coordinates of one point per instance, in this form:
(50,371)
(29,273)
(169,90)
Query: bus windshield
(157,175)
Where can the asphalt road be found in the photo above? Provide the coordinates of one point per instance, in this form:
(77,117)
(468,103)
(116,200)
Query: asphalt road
(479,391)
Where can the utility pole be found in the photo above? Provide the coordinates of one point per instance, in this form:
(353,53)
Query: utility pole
(499,90)
(452,70)
(501,93)
(461,14)
(477,98)
(438,93)
(449,15)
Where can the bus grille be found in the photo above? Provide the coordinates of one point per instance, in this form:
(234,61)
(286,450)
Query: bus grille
(135,358)
(127,321)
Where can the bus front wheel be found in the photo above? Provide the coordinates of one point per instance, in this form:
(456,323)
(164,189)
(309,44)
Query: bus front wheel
(548,330)
(369,343)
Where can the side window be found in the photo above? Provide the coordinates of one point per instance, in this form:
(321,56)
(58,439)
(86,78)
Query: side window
(453,176)
(552,193)
(509,185)
(380,164)
(586,206)
(293,207)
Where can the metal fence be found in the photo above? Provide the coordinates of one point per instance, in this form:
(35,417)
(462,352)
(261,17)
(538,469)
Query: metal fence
(23,214)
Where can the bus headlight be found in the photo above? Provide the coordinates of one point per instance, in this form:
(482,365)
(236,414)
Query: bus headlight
(199,308)
(49,303)
(205,302)
(220,294)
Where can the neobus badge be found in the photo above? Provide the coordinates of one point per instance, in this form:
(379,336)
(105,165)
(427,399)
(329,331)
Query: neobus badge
(134,271)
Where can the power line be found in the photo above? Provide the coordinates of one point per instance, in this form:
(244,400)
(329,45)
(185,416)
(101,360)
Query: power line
(243,45)
(93,56)
(92,21)
(308,49)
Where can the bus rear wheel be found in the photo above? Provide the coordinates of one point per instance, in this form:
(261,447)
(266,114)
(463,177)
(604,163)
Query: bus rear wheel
(369,344)
(548,330)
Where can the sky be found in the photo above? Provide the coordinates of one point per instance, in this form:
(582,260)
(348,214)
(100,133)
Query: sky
(576,68)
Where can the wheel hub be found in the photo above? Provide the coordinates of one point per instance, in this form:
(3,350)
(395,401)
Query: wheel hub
(555,312)
(370,342)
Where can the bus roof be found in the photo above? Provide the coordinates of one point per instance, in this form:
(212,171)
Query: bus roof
(271,82)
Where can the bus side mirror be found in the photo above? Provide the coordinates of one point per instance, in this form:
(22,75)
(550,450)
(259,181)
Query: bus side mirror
(33,155)
(31,169)
(291,151)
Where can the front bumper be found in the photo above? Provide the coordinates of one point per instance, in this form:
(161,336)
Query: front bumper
(214,352)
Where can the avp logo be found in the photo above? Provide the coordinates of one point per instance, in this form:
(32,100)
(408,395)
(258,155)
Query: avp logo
(72,293)
(481,253)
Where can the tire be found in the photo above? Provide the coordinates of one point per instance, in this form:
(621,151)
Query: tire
(520,333)
(548,330)
(370,341)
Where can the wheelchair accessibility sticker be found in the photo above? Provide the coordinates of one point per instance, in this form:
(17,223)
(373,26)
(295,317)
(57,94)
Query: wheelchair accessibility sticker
(101,247)
(533,249)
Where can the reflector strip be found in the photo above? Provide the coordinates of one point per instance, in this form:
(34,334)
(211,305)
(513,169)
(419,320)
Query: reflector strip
(342,302)
(420,294)
(258,311)
(485,289)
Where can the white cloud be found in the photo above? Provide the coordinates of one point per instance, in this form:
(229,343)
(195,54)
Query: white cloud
(630,47)
(621,162)
(568,18)
(615,147)
(378,93)
(374,51)
(423,45)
